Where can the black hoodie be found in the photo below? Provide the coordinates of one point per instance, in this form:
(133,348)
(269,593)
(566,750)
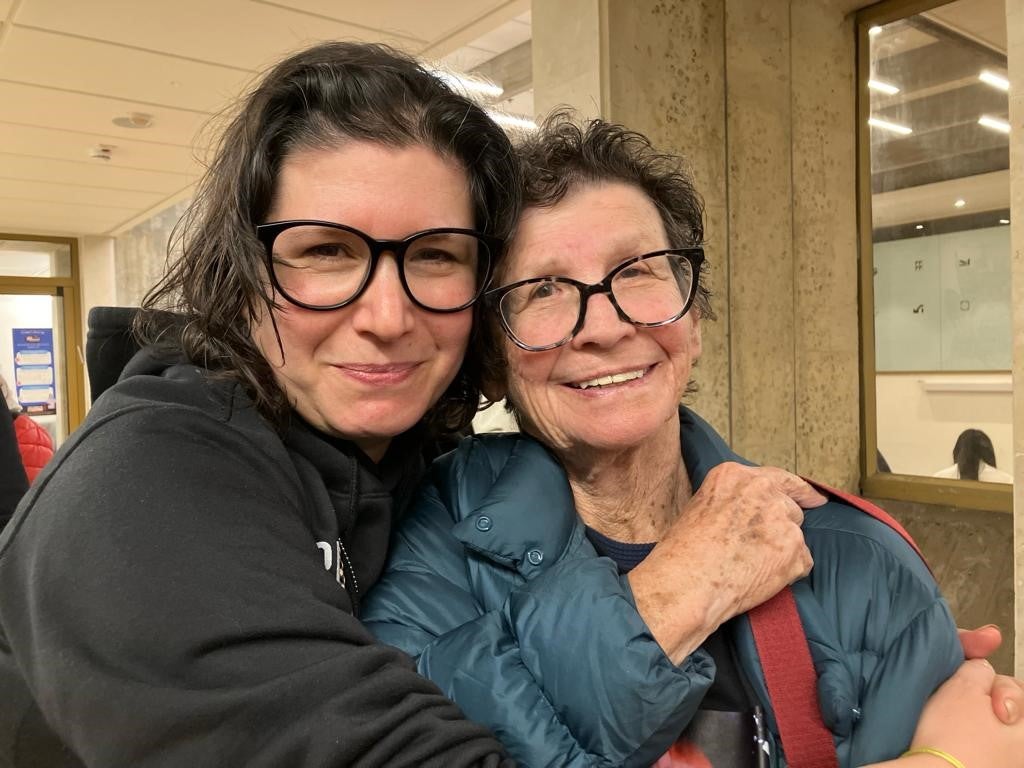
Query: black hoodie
(180,588)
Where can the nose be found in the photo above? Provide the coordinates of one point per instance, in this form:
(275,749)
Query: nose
(602,325)
(384,310)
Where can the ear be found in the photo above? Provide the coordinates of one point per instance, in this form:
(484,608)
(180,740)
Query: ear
(493,389)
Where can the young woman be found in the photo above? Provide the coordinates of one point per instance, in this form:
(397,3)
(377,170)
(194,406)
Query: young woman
(182,586)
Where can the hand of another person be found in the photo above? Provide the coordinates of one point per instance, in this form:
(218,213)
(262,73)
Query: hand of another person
(1007,692)
(959,721)
(735,544)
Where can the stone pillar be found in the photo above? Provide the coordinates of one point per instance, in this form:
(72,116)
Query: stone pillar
(1015,61)
(569,55)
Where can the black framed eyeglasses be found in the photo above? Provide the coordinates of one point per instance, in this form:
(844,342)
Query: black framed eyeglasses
(648,291)
(321,265)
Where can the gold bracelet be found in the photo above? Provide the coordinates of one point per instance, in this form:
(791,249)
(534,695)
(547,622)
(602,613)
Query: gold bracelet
(935,752)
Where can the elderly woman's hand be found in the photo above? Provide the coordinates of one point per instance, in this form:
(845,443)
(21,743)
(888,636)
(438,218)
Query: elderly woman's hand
(736,544)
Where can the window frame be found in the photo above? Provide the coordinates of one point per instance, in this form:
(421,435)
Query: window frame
(914,488)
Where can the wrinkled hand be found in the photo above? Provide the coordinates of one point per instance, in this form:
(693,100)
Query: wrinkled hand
(736,544)
(1007,692)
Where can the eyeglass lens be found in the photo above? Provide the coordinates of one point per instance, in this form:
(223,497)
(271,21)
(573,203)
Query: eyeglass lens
(649,291)
(322,266)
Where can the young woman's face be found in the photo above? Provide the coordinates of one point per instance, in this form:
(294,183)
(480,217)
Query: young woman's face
(368,371)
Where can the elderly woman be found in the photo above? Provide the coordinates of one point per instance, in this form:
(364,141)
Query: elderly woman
(581,591)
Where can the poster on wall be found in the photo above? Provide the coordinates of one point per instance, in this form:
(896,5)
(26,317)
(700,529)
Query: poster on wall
(33,369)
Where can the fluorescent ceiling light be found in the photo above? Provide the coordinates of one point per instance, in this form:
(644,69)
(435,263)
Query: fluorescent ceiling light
(1004,221)
(883,87)
(470,84)
(875,31)
(994,123)
(960,203)
(996,81)
(919,226)
(885,125)
(505,120)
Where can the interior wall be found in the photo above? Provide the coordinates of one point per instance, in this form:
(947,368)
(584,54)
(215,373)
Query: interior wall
(920,417)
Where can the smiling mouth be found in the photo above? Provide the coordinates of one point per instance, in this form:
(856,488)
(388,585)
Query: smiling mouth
(613,379)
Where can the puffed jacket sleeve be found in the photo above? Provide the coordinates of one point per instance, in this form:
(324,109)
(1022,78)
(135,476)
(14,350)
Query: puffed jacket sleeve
(505,605)
(881,636)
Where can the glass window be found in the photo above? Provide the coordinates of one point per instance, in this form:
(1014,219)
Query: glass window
(31,258)
(938,191)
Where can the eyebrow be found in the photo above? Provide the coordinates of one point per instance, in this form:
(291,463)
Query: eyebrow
(558,265)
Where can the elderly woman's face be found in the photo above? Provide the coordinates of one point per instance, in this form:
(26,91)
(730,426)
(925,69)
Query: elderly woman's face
(595,228)
(368,371)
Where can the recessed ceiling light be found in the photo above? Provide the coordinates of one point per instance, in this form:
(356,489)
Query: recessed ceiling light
(960,203)
(885,125)
(1004,221)
(134,120)
(102,152)
(994,123)
(875,31)
(883,87)
(919,226)
(996,81)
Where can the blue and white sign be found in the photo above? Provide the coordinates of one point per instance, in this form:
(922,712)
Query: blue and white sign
(33,369)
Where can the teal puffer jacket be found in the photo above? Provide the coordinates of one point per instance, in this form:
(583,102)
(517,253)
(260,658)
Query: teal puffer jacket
(494,588)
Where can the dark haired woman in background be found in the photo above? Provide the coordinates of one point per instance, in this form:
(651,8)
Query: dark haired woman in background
(974,459)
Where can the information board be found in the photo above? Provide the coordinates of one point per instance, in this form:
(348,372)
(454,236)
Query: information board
(33,369)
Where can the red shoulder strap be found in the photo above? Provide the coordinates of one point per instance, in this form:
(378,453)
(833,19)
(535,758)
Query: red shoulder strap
(792,683)
(786,661)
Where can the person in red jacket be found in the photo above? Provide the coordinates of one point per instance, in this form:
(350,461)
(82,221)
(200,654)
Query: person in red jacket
(34,442)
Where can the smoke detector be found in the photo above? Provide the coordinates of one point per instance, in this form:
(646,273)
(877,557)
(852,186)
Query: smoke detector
(134,120)
(102,152)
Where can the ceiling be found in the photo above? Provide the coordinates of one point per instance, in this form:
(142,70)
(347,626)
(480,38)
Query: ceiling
(935,59)
(68,68)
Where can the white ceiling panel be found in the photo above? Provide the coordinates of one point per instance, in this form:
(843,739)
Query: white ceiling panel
(234,33)
(413,19)
(85,66)
(48,217)
(90,174)
(73,145)
(47,108)
(69,67)
(19,189)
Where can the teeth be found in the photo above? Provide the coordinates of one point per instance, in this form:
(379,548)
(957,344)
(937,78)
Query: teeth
(616,378)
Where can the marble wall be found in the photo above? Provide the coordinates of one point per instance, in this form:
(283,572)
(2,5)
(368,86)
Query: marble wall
(140,255)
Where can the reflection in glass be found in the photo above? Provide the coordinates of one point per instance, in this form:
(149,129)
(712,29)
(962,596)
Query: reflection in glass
(30,258)
(941,245)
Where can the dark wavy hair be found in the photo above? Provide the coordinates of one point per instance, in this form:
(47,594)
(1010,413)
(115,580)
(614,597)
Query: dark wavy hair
(971,448)
(318,98)
(564,155)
